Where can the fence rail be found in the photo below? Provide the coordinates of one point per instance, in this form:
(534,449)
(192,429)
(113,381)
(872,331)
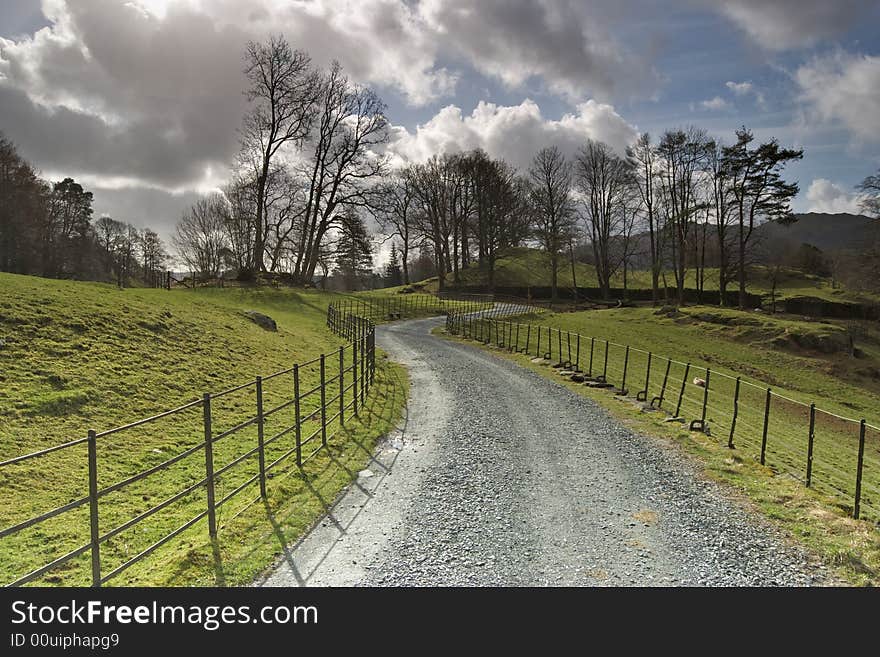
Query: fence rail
(343,381)
(827,451)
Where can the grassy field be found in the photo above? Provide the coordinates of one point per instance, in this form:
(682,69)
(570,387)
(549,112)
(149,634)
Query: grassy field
(520,267)
(78,356)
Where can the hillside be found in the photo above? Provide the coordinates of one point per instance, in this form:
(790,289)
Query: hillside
(79,356)
(825,231)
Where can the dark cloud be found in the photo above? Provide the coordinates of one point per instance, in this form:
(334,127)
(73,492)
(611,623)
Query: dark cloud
(565,45)
(791,24)
(146,150)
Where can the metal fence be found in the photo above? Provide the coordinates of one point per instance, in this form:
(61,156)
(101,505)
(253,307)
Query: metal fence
(829,452)
(381,306)
(287,415)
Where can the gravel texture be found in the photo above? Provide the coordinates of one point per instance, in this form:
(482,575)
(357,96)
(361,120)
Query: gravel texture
(501,477)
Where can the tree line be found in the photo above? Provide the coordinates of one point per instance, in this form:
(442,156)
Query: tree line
(47,229)
(310,168)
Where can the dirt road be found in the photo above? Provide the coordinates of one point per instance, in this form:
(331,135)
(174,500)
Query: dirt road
(501,477)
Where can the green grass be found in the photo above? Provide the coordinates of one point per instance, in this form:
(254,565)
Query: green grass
(79,356)
(813,517)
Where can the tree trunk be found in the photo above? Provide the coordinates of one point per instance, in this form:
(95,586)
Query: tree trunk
(405,258)
(257,264)
(742,266)
(491,277)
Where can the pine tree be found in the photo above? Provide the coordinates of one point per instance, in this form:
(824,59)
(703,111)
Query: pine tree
(354,258)
(393,272)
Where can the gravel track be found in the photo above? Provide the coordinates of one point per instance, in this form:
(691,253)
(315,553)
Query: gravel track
(502,477)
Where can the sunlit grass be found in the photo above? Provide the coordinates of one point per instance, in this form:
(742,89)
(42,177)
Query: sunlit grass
(79,356)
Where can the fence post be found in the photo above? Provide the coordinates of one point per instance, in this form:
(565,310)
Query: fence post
(605,366)
(702,420)
(643,394)
(766,424)
(528,337)
(577,355)
(735,413)
(364,373)
(623,389)
(354,374)
(538,349)
(568,342)
(687,371)
(323,401)
(659,399)
(592,344)
(297,424)
(209,465)
(341,386)
(859,465)
(516,348)
(93,509)
(261,453)
(810,444)
(559,339)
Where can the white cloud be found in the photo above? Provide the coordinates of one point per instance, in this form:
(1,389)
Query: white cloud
(792,24)
(826,196)
(716,103)
(744,89)
(514,133)
(844,88)
(739,88)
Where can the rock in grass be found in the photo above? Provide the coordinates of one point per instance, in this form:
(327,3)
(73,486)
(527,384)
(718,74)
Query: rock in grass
(261,320)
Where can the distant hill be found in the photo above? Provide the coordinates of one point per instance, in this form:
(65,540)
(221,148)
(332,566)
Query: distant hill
(824,231)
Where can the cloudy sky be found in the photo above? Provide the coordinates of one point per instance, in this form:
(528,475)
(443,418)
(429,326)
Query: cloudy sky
(140,99)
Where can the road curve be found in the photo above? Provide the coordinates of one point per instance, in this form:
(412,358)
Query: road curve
(499,476)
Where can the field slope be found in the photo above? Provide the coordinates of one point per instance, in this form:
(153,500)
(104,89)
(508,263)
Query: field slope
(78,356)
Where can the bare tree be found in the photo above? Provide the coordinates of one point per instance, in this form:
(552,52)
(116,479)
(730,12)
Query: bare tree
(110,235)
(201,238)
(153,256)
(350,124)
(501,210)
(553,213)
(394,210)
(643,158)
(431,183)
(240,227)
(605,181)
(282,93)
(682,156)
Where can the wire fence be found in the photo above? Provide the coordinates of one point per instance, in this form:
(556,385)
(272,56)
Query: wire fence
(831,453)
(108,515)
